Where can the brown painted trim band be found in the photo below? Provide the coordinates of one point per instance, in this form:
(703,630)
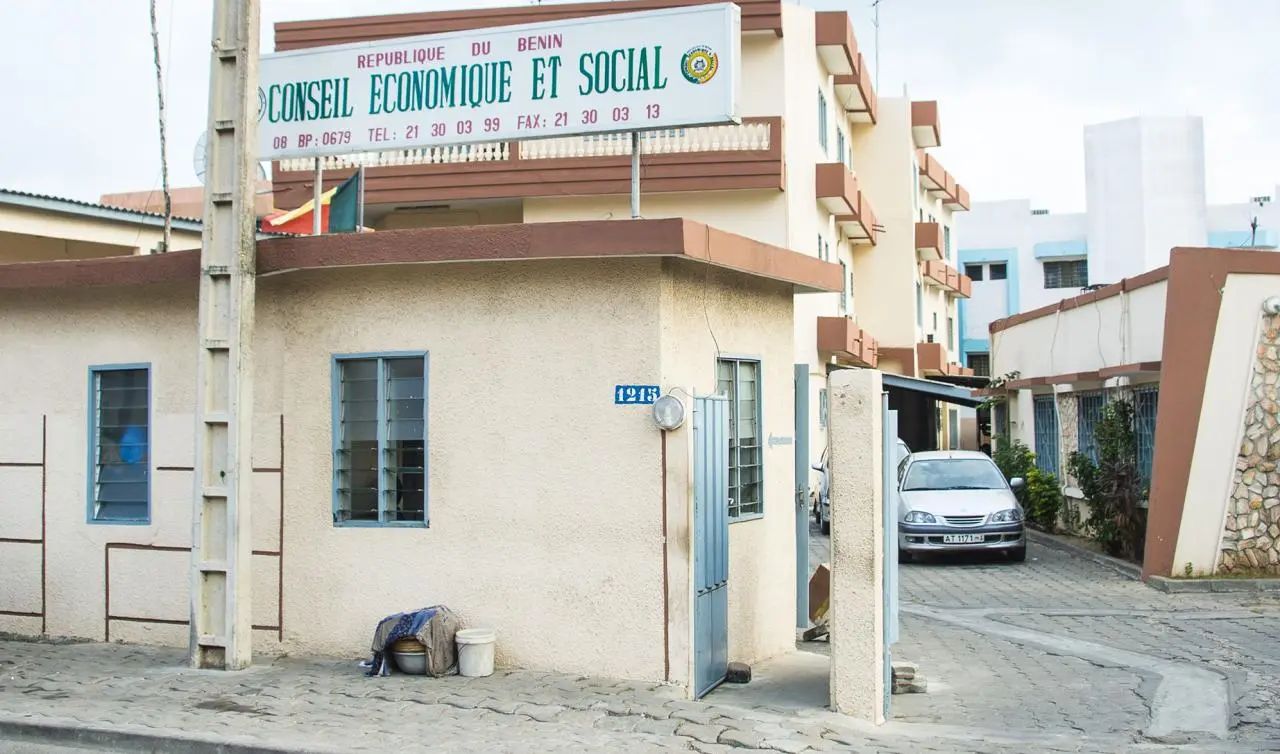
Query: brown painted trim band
(592,239)
(19,541)
(1126,285)
(1125,370)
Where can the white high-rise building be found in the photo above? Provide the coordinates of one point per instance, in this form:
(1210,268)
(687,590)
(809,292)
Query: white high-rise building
(1144,195)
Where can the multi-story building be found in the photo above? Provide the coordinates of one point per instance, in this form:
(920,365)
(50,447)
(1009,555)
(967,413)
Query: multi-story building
(1145,194)
(819,165)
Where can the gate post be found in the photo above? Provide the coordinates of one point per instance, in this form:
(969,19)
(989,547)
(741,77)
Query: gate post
(855,427)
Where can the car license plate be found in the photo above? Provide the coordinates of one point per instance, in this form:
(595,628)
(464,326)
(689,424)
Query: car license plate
(963,539)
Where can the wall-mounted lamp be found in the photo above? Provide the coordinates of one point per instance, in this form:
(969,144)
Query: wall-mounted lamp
(1271,305)
(668,413)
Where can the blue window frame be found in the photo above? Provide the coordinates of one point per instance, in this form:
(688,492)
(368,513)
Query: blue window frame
(946,241)
(1089,413)
(380,468)
(822,121)
(1146,404)
(120,444)
(739,381)
(841,150)
(919,305)
(1046,433)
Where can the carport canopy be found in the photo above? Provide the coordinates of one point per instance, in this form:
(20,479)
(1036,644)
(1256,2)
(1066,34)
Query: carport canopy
(939,390)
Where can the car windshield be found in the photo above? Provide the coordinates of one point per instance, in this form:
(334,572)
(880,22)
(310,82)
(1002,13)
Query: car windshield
(953,474)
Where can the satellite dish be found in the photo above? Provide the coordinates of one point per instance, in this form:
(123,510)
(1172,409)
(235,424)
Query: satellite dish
(197,159)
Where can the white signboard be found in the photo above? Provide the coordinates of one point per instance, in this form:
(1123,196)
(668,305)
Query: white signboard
(622,72)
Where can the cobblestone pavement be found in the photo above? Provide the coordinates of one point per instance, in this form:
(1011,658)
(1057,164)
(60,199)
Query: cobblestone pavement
(979,679)
(332,707)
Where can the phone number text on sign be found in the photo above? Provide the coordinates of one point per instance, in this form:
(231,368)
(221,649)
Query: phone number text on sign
(672,68)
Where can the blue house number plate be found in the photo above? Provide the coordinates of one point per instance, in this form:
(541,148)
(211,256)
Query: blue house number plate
(635,394)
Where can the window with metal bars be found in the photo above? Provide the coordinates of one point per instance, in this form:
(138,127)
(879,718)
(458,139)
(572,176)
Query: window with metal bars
(380,440)
(951,333)
(120,444)
(974,271)
(822,407)
(1146,402)
(841,150)
(1088,414)
(739,381)
(980,363)
(1046,433)
(946,241)
(1067,273)
(1000,420)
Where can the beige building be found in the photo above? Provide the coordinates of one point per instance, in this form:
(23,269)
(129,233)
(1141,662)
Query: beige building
(37,228)
(1205,414)
(530,501)
(526,499)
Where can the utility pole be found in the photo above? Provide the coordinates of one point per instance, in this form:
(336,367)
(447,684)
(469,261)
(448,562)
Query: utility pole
(164,159)
(221,546)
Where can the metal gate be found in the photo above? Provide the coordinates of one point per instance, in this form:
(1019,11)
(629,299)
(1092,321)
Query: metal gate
(890,498)
(710,543)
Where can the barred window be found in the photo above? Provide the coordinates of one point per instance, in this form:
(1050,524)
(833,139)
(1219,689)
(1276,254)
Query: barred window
(739,381)
(980,363)
(1089,408)
(1046,434)
(1071,273)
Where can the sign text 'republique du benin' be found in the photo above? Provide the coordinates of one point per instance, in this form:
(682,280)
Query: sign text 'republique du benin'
(622,72)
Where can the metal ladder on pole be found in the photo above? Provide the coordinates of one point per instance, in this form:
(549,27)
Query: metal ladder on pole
(221,546)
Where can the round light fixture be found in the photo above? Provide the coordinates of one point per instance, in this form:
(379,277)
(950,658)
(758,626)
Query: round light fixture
(1271,305)
(668,413)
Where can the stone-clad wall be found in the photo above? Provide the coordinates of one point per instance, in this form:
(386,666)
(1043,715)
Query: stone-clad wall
(1251,538)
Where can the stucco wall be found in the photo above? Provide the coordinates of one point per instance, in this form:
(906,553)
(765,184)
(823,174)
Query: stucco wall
(545,498)
(1123,329)
(705,314)
(884,159)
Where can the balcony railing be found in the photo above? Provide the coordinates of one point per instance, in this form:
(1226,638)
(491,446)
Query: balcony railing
(939,273)
(932,358)
(712,158)
(841,337)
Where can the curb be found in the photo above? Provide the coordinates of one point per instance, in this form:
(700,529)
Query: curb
(1128,570)
(134,738)
(1184,586)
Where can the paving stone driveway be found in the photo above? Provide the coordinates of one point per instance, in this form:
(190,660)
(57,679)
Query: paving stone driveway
(958,616)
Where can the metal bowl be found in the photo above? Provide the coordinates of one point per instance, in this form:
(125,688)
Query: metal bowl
(413,663)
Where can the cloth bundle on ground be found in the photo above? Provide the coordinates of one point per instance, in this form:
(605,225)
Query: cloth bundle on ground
(435,627)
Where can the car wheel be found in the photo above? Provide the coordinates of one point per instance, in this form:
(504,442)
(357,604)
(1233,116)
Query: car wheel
(825,527)
(904,556)
(1018,554)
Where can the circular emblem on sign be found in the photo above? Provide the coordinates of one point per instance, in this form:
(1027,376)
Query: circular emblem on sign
(699,64)
(262,103)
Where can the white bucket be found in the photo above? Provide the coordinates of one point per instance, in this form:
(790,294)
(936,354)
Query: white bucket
(475,651)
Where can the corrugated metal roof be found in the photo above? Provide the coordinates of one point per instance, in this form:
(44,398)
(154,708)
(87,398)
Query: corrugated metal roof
(48,203)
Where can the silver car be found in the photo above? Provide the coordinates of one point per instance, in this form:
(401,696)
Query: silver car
(822,501)
(957,500)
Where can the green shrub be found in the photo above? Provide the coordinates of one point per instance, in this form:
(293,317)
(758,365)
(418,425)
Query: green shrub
(1040,497)
(1113,485)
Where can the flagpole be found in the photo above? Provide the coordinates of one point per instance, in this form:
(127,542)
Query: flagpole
(360,202)
(315,201)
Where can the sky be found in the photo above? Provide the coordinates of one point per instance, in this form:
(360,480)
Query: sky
(1016,81)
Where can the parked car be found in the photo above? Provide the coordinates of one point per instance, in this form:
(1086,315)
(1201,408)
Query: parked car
(822,504)
(957,500)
